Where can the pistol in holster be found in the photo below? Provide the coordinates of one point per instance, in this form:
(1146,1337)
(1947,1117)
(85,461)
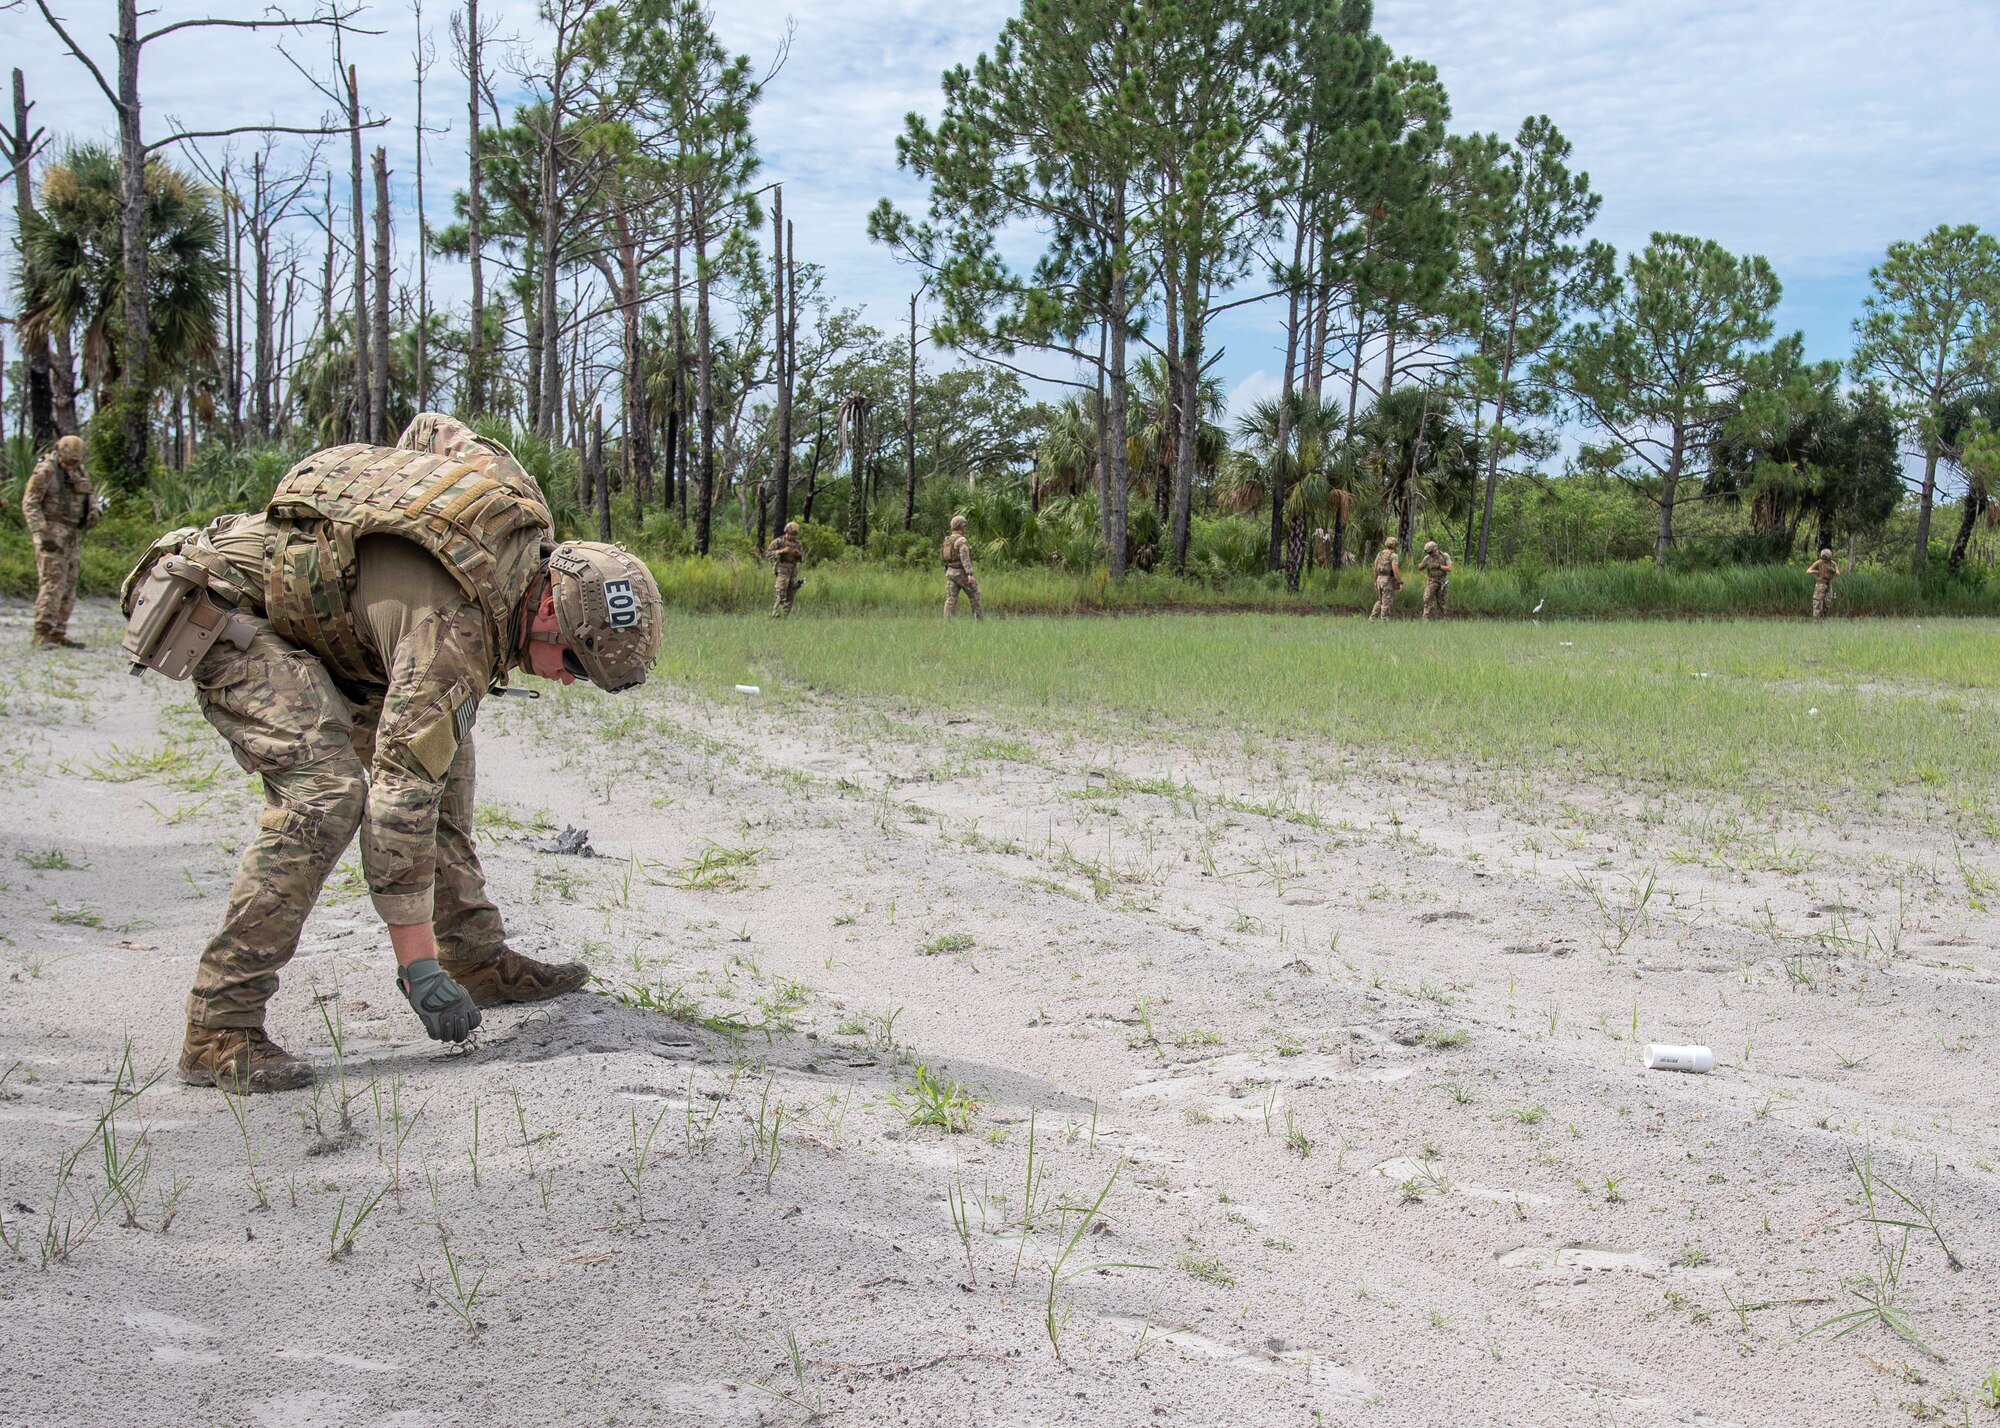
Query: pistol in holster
(174,619)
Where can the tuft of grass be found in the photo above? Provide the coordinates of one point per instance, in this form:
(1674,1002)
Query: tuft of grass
(714,868)
(930,1100)
(54,860)
(947,942)
(1208,1268)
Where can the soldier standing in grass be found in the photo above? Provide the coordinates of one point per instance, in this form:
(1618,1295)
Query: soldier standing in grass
(1822,571)
(1388,580)
(59,505)
(786,555)
(1436,566)
(957,553)
(345,636)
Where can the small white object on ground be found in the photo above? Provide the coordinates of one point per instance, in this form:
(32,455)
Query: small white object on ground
(1697,1059)
(748,689)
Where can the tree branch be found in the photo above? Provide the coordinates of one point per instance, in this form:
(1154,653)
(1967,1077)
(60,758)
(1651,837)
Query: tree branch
(337,21)
(260,129)
(75,49)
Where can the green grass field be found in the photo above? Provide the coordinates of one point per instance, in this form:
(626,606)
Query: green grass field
(1773,711)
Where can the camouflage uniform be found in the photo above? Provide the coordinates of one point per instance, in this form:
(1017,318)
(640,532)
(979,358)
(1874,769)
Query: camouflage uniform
(957,554)
(1388,580)
(59,505)
(1822,571)
(1436,566)
(786,555)
(389,753)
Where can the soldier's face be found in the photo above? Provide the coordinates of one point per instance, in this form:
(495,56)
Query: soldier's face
(545,657)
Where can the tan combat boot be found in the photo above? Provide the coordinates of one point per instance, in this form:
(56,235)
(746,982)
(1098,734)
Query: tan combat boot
(240,1059)
(507,976)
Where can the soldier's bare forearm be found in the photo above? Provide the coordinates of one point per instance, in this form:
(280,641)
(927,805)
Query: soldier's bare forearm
(412,942)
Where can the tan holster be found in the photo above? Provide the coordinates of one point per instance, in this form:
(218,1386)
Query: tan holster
(175,619)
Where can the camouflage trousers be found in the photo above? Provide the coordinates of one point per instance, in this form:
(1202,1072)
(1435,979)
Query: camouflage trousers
(955,581)
(1822,592)
(1385,598)
(786,590)
(58,559)
(287,722)
(1433,598)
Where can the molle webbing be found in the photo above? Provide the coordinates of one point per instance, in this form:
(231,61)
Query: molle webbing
(487,533)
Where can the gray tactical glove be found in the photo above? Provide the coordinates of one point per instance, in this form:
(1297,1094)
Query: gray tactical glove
(445,1008)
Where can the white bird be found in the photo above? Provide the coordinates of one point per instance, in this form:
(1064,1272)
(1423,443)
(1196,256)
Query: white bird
(1538,605)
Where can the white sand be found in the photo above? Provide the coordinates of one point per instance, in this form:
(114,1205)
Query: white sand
(1298,930)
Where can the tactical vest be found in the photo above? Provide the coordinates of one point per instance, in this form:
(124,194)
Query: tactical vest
(67,494)
(1385,564)
(490,534)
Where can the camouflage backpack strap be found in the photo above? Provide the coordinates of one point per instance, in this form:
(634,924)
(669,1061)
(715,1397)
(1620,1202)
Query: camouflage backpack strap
(310,573)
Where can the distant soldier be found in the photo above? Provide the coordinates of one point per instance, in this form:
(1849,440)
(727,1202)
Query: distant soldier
(59,505)
(1322,548)
(957,553)
(1436,566)
(1388,580)
(786,556)
(1822,571)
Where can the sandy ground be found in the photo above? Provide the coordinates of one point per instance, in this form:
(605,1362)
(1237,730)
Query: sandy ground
(1343,1057)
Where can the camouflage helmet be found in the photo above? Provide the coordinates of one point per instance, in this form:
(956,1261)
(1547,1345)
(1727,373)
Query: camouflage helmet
(1389,544)
(1825,554)
(69,450)
(1429,546)
(607,611)
(791,528)
(958,523)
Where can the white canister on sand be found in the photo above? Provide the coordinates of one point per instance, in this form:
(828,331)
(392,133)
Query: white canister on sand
(1697,1059)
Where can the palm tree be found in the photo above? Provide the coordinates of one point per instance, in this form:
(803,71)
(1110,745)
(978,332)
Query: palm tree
(1306,468)
(324,386)
(1151,443)
(1411,446)
(1066,452)
(72,277)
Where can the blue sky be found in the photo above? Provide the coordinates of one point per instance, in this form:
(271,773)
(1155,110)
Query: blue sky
(1811,131)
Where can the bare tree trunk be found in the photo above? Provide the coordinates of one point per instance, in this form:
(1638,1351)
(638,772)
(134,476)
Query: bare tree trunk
(233,384)
(781,456)
(1926,498)
(1285,391)
(704,357)
(282,354)
(475,351)
(40,417)
(812,466)
(260,359)
(1102,470)
(136,372)
(1669,485)
(910,429)
(364,421)
(62,384)
(676,414)
(551,243)
(378,389)
(420,376)
(1117,465)
(603,481)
